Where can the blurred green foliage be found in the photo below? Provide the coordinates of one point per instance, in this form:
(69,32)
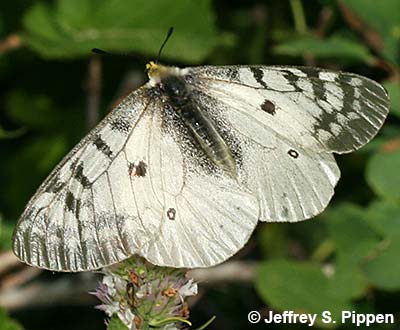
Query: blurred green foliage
(347,258)
(6,323)
(6,230)
(70,27)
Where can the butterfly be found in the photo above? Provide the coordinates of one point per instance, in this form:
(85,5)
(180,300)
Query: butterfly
(186,166)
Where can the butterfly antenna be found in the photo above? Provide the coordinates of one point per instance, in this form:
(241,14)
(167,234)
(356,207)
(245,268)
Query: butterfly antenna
(100,51)
(171,29)
(103,52)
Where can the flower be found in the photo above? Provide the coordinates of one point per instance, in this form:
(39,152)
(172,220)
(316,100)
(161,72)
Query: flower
(141,294)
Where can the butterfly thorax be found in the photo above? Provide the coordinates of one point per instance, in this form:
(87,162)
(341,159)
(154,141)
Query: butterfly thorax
(179,96)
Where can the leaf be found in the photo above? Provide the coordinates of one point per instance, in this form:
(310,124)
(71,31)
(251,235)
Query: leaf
(73,27)
(383,269)
(352,234)
(354,240)
(116,324)
(383,18)
(298,286)
(333,47)
(385,218)
(348,281)
(394,93)
(6,232)
(6,323)
(382,174)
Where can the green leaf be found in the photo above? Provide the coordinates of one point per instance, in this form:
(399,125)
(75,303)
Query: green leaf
(348,281)
(394,94)
(6,232)
(354,239)
(334,47)
(382,174)
(74,27)
(385,218)
(116,324)
(383,268)
(301,287)
(6,323)
(352,234)
(383,271)
(383,18)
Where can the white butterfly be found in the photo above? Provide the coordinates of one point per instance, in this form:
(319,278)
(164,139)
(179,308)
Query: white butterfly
(184,168)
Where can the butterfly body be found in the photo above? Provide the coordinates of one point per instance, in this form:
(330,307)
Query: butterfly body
(182,100)
(184,168)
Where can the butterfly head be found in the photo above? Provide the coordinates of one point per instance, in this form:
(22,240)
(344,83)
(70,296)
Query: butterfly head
(155,70)
(158,72)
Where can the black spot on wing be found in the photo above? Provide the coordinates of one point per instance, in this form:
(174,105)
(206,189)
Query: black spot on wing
(320,92)
(310,72)
(268,107)
(72,204)
(102,146)
(171,213)
(293,153)
(258,76)
(139,169)
(78,174)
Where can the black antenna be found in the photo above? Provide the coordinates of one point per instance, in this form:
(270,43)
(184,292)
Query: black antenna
(103,52)
(100,51)
(171,29)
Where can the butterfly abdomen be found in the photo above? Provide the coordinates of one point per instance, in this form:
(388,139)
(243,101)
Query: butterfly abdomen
(183,102)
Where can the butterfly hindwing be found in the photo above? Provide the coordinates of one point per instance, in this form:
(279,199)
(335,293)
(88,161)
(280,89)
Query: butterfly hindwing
(205,217)
(291,183)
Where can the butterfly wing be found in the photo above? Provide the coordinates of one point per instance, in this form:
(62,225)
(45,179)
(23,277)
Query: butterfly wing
(314,108)
(127,189)
(288,122)
(64,226)
(206,217)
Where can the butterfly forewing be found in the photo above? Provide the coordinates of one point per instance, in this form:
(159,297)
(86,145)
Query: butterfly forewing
(318,109)
(184,168)
(63,226)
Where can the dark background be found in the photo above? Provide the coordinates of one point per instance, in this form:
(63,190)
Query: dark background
(52,90)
